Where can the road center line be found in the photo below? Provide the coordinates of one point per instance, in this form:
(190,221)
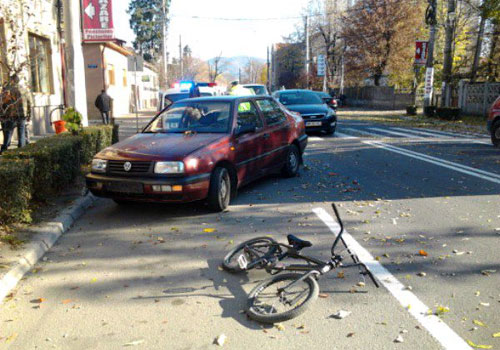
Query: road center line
(433,324)
(485,175)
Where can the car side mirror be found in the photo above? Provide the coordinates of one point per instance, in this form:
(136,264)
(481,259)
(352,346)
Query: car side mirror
(245,129)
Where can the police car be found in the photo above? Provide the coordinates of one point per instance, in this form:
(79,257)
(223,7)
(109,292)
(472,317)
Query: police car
(184,89)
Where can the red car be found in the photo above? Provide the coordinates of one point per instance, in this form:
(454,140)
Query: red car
(494,122)
(201,148)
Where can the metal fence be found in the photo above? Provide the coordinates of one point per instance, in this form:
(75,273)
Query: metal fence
(477,98)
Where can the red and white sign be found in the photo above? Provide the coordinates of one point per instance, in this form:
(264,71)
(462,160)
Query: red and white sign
(421,50)
(97,20)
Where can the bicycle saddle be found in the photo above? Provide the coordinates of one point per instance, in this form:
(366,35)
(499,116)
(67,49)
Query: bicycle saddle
(298,243)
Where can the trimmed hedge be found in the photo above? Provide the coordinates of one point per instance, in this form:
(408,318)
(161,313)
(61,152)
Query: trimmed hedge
(54,161)
(15,191)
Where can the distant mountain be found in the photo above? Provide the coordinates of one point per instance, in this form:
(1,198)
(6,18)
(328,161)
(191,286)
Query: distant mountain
(231,64)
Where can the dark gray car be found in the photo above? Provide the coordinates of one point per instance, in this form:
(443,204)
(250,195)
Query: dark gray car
(317,115)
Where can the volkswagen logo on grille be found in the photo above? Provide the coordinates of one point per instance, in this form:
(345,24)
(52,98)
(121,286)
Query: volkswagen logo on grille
(127,166)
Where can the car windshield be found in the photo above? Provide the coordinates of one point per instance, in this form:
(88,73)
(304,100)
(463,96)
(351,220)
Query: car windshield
(202,117)
(299,98)
(258,90)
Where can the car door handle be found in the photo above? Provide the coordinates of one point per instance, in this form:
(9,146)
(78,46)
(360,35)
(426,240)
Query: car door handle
(266,136)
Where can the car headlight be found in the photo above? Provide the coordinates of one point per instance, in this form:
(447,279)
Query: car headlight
(99,165)
(169,167)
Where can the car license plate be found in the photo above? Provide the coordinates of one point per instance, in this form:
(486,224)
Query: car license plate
(313,123)
(125,187)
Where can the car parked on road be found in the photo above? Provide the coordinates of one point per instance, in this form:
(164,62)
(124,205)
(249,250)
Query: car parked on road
(315,112)
(329,100)
(258,89)
(494,122)
(201,148)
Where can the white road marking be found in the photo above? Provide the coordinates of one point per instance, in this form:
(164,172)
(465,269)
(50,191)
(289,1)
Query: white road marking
(433,324)
(485,175)
(423,133)
(345,136)
(315,138)
(396,133)
(446,137)
(363,132)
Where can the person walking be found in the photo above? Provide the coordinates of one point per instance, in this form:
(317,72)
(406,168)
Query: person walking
(12,113)
(103,104)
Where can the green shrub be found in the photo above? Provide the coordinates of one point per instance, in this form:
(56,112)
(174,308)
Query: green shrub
(41,169)
(94,139)
(56,162)
(73,120)
(15,193)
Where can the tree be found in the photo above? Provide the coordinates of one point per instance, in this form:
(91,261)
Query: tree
(379,37)
(215,67)
(147,20)
(289,58)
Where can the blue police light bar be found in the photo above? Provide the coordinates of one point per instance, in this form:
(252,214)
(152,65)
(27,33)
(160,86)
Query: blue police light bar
(185,85)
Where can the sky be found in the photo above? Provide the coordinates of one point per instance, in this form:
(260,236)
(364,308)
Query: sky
(212,34)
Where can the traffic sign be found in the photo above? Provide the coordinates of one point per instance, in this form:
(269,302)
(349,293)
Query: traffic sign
(321,65)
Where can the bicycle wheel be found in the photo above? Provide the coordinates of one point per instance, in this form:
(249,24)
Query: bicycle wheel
(276,300)
(251,251)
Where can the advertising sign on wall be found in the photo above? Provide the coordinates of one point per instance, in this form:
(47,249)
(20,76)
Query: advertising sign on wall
(97,20)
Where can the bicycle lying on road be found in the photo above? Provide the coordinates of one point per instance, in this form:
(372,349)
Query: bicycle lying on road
(287,295)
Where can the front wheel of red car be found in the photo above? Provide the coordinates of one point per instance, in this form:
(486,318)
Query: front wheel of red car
(292,162)
(219,192)
(495,134)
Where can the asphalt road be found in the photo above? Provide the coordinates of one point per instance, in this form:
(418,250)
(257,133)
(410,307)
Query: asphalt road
(147,276)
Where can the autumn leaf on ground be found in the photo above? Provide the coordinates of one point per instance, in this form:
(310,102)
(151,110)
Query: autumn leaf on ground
(66,301)
(340,274)
(422,253)
(479,346)
(38,301)
(134,342)
(279,327)
(323,295)
(11,338)
(208,230)
(440,310)
(496,335)
(479,323)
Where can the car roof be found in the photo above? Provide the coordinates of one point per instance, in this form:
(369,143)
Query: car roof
(293,90)
(226,98)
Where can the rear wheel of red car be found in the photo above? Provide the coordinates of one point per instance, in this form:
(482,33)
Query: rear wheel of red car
(495,134)
(292,162)
(219,192)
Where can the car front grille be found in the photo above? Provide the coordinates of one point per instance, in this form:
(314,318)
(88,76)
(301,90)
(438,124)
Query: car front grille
(314,116)
(116,167)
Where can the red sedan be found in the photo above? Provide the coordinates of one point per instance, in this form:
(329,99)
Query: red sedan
(494,122)
(201,148)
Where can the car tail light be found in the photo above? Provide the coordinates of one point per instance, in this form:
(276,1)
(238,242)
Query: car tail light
(334,102)
(212,84)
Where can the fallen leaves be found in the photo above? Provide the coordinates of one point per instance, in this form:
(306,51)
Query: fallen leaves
(496,335)
(323,295)
(220,340)
(399,339)
(279,327)
(134,342)
(341,314)
(479,323)
(479,346)
(488,272)
(38,301)
(423,253)
(209,230)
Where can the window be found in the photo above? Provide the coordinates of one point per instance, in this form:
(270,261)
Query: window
(271,111)
(124,77)
(40,62)
(111,74)
(247,114)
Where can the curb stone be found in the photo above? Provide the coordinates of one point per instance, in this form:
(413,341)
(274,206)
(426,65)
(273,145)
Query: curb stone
(44,238)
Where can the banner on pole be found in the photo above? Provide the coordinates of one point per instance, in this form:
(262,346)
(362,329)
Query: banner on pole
(97,20)
(429,82)
(421,51)
(321,66)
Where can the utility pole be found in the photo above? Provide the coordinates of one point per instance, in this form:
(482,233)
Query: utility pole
(239,75)
(268,73)
(273,68)
(430,20)
(448,55)
(306,31)
(181,60)
(164,9)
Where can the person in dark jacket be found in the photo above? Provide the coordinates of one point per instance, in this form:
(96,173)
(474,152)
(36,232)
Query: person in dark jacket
(103,104)
(12,113)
